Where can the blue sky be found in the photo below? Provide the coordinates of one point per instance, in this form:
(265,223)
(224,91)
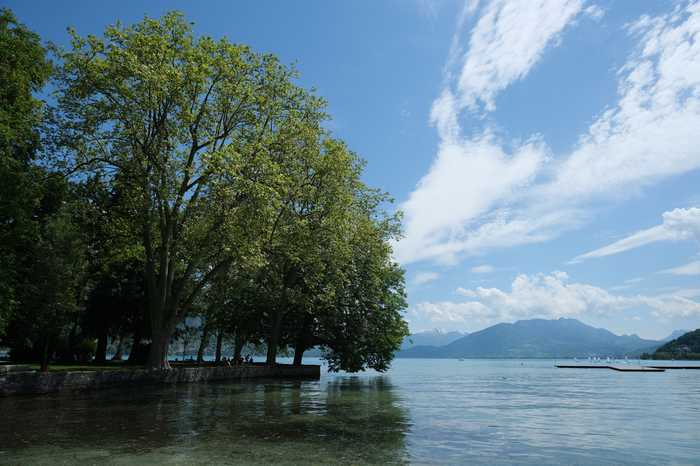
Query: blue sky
(545,152)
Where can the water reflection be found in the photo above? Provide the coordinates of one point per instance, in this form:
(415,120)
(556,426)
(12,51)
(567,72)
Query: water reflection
(344,419)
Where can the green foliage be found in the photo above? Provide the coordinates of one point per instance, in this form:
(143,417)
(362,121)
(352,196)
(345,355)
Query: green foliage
(23,71)
(185,125)
(201,181)
(684,347)
(53,274)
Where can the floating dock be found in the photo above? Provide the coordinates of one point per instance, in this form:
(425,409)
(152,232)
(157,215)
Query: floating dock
(675,367)
(620,367)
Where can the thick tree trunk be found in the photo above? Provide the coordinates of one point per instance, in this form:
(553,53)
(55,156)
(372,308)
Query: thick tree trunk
(119,353)
(303,340)
(203,343)
(158,354)
(101,352)
(299,349)
(274,339)
(219,342)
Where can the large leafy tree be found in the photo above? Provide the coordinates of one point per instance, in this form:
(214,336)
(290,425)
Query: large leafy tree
(187,124)
(354,306)
(328,277)
(202,183)
(24,69)
(366,327)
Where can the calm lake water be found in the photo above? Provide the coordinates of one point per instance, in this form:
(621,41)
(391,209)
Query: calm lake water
(420,412)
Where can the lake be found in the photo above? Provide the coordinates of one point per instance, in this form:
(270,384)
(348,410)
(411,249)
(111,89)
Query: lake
(494,412)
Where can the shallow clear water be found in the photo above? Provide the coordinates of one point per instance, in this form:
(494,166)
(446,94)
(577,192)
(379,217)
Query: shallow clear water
(420,412)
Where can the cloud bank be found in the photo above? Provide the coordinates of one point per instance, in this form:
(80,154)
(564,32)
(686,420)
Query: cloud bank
(545,296)
(482,193)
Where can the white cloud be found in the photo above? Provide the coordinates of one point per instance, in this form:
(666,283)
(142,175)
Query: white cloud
(485,268)
(594,11)
(422,278)
(546,296)
(652,131)
(506,42)
(470,177)
(465,181)
(677,225)
(480,195)
(692,268)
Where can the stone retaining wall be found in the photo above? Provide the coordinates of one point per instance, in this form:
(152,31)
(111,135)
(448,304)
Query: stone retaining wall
(47,382)
(5,368)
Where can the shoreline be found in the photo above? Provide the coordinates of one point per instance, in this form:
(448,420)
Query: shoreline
(39,383)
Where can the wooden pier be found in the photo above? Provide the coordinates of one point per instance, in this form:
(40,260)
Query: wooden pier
(617,367)
(676,367)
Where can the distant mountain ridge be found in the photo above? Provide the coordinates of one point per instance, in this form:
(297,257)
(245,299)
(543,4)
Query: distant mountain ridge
(434,337)
(536,338)
(675,334)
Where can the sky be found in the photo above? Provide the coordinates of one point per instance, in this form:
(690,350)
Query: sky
(544,153)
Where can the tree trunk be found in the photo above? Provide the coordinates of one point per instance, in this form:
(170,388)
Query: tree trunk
(101,351)
(299,349)
(219,341)
(203,343)
(303,341)
(274,340)
(158,354)
(238,346)
(120,349)
(45,356)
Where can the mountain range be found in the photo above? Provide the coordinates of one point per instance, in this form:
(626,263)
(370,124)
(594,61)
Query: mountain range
(435,337)
(675,334)
(534,338)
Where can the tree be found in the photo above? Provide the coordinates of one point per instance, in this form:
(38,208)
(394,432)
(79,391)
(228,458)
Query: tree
(40,242)
(356,310)
(196,179)
(186,123)
(51,293)
(24,69)
(328,277)
(115,264)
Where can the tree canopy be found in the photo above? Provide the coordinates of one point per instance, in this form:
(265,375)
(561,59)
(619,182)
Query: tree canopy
(201,182)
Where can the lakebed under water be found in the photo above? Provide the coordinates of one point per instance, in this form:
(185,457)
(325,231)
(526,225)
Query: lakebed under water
(420,412)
